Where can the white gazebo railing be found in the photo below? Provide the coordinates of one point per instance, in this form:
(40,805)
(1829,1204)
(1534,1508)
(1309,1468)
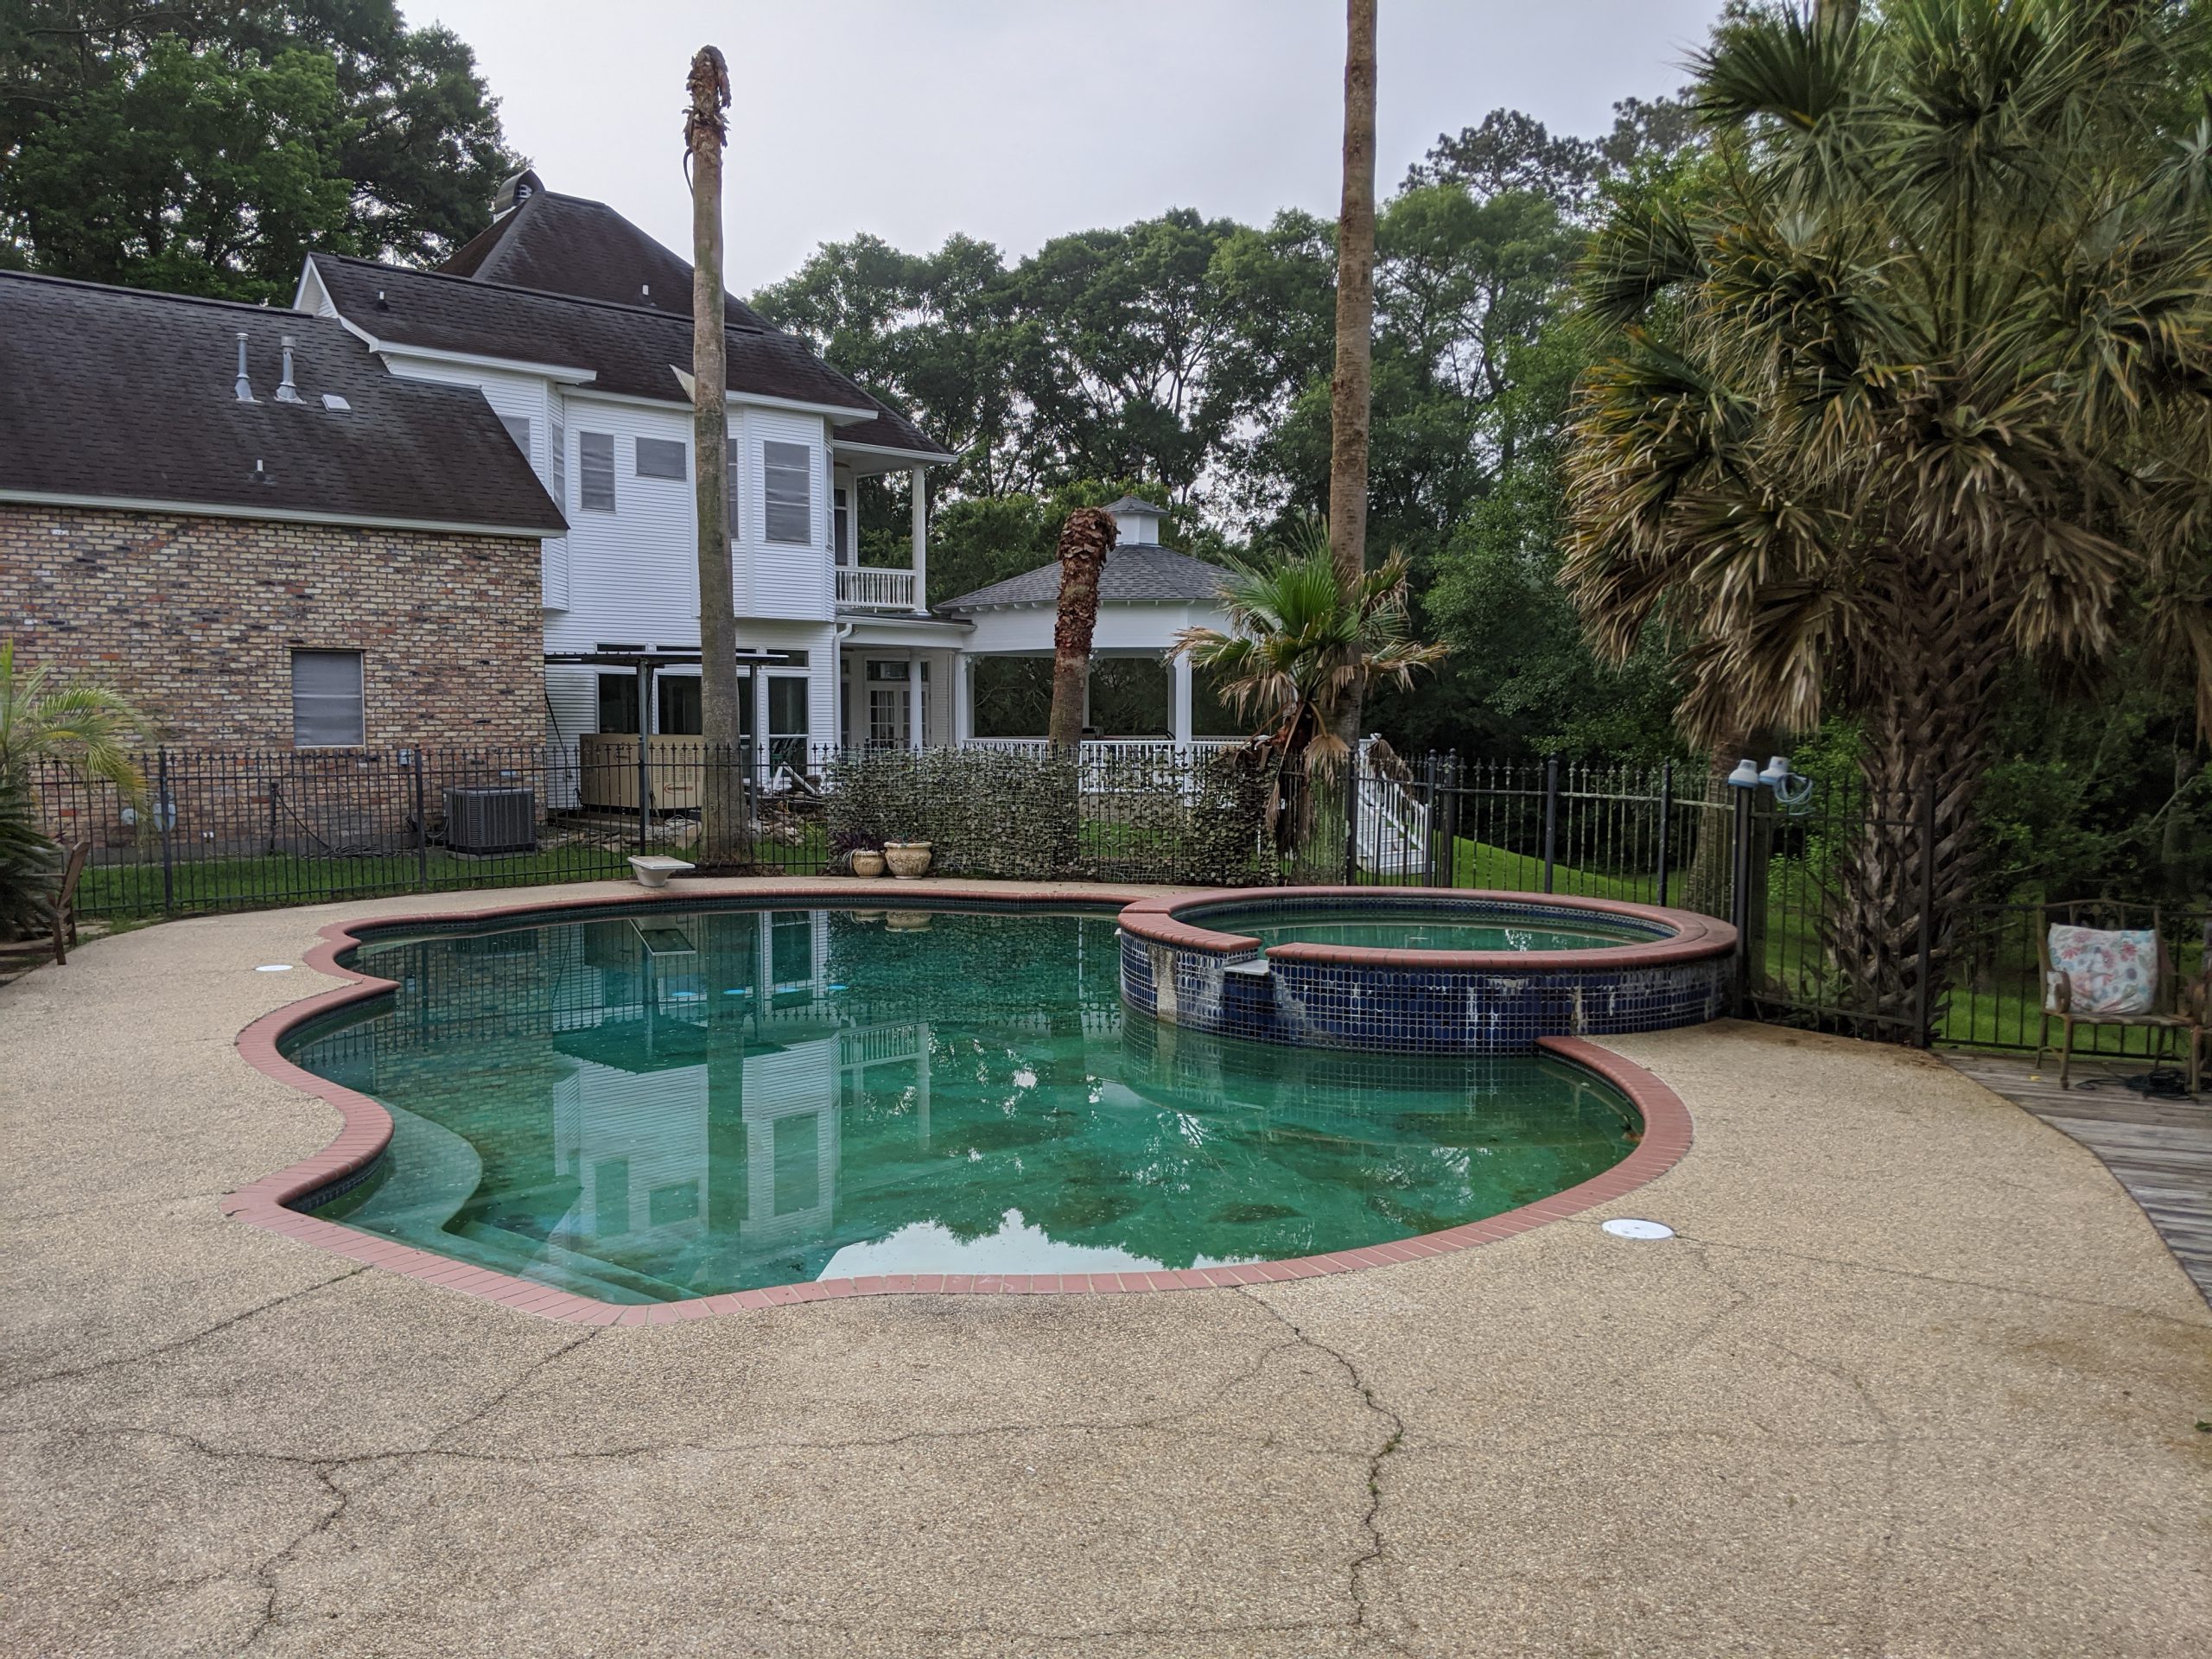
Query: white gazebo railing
(870,588)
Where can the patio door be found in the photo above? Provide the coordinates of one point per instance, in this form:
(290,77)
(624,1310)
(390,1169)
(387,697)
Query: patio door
(890,684)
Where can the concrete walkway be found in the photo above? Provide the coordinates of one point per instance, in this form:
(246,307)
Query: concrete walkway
(1917,1378)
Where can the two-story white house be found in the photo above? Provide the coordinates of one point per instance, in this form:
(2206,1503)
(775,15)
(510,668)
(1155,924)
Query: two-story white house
(576,327)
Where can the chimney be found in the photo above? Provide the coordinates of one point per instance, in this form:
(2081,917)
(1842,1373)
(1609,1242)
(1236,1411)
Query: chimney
(286,392)
(245,385)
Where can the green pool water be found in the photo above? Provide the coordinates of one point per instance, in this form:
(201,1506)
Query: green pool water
(1380,926)
(678,1104)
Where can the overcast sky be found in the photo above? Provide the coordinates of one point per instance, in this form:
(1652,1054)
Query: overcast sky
(1014,120)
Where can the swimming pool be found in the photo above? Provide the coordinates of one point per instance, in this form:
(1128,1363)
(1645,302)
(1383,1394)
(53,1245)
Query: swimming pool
(672,1102)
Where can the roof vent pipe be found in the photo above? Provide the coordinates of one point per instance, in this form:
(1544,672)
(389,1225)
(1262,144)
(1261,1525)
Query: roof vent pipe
(286,392)
(245,385)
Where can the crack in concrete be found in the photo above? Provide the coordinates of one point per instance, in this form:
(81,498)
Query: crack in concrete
(2196,1325)
(1371,1519)
(180,1342)
(267,1572)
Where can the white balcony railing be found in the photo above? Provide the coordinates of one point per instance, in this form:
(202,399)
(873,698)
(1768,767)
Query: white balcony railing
(865,587)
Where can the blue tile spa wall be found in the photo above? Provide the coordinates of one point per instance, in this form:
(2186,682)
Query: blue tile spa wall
(1415,1010)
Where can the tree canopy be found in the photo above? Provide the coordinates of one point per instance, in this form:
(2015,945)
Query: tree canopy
(206,146)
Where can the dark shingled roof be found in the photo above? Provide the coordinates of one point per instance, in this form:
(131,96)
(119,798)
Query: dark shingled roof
(565,244)
(1136,504)
(119,394)
(1134,573)
(627,348)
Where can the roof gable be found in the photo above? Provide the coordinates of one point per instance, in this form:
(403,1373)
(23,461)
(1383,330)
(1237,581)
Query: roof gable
(124,394)
(566,244)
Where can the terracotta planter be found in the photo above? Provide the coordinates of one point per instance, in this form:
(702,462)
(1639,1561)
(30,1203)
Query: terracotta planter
(908,859)
(868,862)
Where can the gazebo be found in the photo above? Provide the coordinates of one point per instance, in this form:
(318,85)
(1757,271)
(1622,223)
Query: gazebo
(1146,596)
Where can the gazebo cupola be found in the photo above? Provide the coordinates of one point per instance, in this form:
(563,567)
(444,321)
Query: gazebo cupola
(1138,521)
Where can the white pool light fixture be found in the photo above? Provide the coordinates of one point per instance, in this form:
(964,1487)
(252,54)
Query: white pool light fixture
(274,968)
(1630,1227)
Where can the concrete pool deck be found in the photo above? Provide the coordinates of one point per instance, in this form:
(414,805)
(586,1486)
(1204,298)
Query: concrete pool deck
(1916,1377)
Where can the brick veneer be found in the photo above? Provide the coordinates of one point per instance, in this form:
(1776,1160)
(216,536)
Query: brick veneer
(196,618)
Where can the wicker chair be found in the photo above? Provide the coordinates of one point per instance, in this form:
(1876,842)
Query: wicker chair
(2173,1004)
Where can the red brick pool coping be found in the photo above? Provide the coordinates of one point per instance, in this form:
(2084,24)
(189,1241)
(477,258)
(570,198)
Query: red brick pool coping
(1177,919)
(367,1129)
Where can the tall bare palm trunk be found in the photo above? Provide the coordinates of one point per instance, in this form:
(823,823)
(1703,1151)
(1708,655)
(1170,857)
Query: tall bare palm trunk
(1352,388)
(1085,539)
(724,821)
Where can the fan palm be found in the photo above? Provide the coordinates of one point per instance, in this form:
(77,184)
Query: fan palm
(1303,643)
(88,727)
(1911,381)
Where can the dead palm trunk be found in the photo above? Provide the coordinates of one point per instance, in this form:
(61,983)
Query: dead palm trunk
(1085,539)
(722,829)
(1352,388)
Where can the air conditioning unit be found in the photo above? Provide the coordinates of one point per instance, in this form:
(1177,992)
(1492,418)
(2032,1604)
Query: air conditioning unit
(491,820)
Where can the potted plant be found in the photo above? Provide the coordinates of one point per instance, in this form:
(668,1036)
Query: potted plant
(857,850)
(909,860)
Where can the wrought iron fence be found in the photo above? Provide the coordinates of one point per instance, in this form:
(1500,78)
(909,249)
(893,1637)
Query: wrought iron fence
(1834,896)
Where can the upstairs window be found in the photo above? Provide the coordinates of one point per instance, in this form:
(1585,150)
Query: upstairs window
(595,470)
(789,470)
(662,458)
(517,429)
(327,703)
(556,454)
(730,470)
(841,534)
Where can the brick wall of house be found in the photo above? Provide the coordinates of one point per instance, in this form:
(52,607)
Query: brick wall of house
(196,618)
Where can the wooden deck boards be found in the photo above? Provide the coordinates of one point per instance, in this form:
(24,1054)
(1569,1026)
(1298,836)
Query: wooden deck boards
(2159,1149)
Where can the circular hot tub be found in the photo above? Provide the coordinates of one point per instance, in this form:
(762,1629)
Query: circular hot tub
(1420,970)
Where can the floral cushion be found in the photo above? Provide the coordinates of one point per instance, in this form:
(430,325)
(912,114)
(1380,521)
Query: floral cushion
(2107,972)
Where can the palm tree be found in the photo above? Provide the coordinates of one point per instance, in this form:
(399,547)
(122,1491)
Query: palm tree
(723,816)
(1351,385)
(1302,643)
(87,726)
(1086,539)
(1912,380)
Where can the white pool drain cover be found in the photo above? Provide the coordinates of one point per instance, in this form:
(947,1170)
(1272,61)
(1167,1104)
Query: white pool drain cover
(274,968)
(1628,1227)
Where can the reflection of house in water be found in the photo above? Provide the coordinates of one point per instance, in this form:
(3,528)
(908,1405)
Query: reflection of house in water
(703,1065)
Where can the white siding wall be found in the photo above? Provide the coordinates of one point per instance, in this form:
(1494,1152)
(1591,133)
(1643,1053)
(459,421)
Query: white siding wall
(633,574)
(778,579)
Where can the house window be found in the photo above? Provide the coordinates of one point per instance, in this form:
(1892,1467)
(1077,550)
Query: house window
(595,470)
(730,472)
(789,470)
(517,429)
(843,528)
(661,458)
(787,720)
(618,703)
(675,697)
(557,454)
(326,705)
